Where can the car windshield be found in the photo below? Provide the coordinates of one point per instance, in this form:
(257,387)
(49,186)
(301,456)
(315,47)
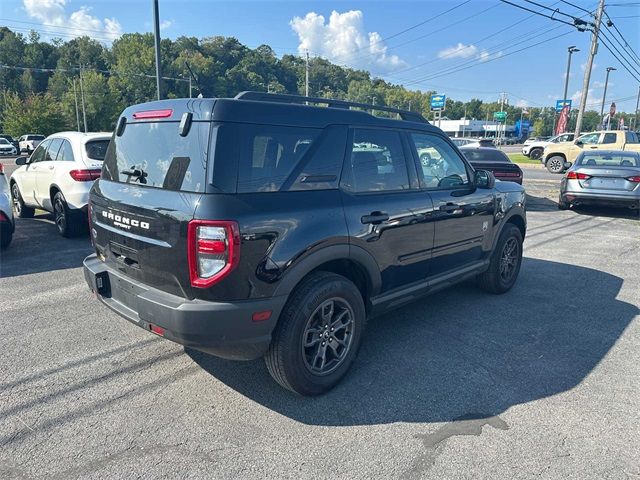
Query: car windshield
(35,137)
(485,155)
(608,160)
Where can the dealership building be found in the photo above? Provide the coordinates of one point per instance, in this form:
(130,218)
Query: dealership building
(474,128)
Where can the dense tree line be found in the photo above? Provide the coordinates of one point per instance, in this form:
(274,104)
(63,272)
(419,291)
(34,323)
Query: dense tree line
(40,81)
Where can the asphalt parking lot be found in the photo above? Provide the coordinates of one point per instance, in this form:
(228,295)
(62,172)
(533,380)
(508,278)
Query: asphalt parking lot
(540,382)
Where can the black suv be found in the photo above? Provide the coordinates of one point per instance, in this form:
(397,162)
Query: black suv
(267,225)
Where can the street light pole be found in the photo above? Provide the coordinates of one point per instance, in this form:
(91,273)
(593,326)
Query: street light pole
(572,49)
(156,33)
(604,95)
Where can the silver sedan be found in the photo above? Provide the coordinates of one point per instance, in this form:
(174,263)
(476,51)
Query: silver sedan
(602,178)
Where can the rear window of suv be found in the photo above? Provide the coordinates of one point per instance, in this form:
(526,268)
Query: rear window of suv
(159,156)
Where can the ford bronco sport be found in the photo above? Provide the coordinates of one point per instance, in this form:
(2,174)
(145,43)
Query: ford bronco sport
(267,225)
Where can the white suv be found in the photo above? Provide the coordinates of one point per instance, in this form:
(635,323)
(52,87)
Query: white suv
(28,143)
(58,176)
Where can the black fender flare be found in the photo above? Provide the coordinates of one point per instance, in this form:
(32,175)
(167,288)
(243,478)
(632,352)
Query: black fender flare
(296,272)
(514,211)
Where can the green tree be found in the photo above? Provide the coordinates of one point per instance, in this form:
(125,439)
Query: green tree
(37,113)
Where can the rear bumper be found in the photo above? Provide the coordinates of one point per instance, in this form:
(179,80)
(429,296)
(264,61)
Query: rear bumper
(579,198)
(222,329)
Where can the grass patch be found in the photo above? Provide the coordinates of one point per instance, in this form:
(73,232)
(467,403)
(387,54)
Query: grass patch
(520,158)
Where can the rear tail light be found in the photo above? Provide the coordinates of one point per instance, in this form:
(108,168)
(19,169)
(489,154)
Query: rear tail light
(85,175)
(635,179)
(1,168)
(578,176)
(214,251)
(507,174)
(3,217)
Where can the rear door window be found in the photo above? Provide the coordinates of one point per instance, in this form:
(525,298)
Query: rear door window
(377,162)
(52,151)
(609,138)
(154,154)
(65,154)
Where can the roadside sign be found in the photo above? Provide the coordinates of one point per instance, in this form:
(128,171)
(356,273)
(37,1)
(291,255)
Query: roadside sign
(500,116)
(560,104)
(438,102)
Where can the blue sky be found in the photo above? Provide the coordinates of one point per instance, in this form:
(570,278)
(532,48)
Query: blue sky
(430,56)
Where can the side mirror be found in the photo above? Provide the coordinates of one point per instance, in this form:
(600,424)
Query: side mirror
(22,160)
(579,143)
(485,179)
(567,165)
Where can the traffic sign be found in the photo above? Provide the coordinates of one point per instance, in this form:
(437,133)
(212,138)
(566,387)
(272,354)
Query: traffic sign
(438,102)
(500,116)
(561,103)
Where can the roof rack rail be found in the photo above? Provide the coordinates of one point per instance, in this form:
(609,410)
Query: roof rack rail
(344,104)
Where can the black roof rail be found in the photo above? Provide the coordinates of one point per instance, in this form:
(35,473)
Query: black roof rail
(344,104)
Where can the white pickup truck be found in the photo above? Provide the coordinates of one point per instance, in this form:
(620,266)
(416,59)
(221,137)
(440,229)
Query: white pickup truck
(534,150)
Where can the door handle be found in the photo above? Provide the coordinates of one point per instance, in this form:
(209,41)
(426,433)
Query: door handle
(375,217)
(449,207)
(593,147)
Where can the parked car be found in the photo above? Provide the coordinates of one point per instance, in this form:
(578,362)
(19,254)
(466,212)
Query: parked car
(11,140)
(7,148)
(534,149)
(557,156)
(494,160)
(262,226)
(57,178)
(28,143)
(473,142)
(7,224)
(530,140)
(604,177)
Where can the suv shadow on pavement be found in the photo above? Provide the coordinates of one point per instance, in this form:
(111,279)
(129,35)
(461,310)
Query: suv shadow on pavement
(38,247)
(461,354)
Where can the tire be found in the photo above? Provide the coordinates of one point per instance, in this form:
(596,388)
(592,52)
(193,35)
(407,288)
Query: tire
(6,234)
(20,209)
(535,153)
(493,280)
(555,164)
(562,205)
(307,370)
(67,222)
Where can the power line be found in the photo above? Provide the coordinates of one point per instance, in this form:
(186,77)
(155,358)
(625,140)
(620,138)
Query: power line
(57,26)
(619,61)
(537,13)
(482,62)
(627,45)
(77,69)
(554,10)
(624,55)
(576,6)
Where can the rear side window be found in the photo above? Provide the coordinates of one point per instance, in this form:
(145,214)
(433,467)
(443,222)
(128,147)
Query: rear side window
(268,154)
(609,138)
(96,149)
(377,162)
(65,154)
(153,154)
(631,137)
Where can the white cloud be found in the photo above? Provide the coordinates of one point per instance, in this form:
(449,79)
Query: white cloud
(467,51)
(599,84)
(166,24)
(522,104)
(77,23)
(459,51)
(343,39)
(583,67)
(592,100)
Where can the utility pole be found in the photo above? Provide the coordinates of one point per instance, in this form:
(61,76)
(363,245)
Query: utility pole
(156,32)
(306,73)
(84,112)
(503,99)
(604,95)
(587,72)
(75,96)
(635,118)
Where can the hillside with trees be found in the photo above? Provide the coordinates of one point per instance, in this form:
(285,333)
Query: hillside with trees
(40,81)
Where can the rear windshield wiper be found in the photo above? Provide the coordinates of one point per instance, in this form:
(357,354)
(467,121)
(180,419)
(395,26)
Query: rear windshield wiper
(136,174)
